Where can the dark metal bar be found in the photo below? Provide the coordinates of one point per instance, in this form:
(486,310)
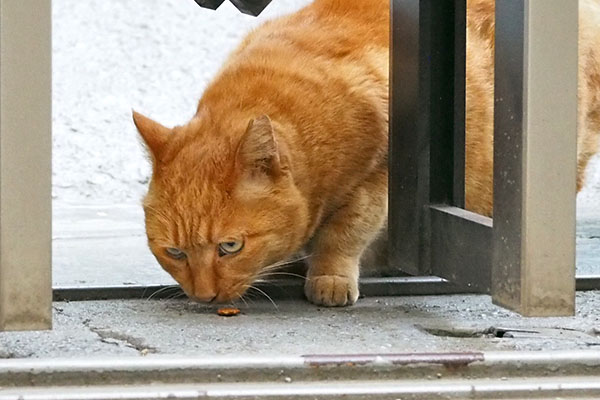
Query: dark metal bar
(212,4)
(508,130)
(460,71)
(251,7)
(587,282)
(410,286)
(438,97)
(277,289)
(427,97)
(460,247)
(408,148)
(293,289)
(459,241)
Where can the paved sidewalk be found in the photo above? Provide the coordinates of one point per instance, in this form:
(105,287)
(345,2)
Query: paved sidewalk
(384,324)
(102,246)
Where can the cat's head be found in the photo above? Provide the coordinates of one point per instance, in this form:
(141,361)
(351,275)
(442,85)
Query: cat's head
(222,207)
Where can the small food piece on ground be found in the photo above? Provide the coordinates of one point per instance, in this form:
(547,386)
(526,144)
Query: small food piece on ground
(228,311)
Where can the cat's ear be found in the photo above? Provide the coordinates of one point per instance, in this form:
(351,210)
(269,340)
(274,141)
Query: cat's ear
(258,151)
(154,134)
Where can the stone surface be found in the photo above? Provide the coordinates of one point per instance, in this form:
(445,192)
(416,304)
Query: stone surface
(382,324)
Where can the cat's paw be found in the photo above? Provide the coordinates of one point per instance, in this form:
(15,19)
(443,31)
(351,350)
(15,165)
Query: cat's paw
(331,290)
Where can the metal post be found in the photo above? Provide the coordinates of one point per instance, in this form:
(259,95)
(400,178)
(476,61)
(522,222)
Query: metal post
(25,165)
(409,145)
(459,103)
(535,156)
(428,230)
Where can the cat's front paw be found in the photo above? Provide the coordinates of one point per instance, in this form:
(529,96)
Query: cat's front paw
(331,290)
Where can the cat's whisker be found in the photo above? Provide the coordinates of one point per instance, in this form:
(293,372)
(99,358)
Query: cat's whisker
(283,263)
(241,297)
(168,296)
(247,295)
(161,290)
(266,295)
(286,262)
(250,297)
(281,273)
(176,296)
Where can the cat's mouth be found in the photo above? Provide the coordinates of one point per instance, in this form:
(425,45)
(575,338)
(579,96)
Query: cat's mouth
(220,297)
(202,299)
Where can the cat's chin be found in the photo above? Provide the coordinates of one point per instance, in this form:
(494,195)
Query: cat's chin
(200,299)
(221,298)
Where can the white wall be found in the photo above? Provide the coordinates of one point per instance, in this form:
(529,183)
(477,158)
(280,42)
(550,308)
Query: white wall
(155,56)
(114,55)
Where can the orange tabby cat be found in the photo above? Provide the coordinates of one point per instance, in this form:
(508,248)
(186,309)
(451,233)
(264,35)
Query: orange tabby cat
(288,150)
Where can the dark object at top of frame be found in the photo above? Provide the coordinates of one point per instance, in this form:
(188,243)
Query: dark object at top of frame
(250,7)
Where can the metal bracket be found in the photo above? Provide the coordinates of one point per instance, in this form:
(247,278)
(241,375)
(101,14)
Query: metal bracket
(250,7)
(212,4)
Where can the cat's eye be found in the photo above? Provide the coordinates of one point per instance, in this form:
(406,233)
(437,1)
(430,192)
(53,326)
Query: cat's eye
(230,247)
(175,253)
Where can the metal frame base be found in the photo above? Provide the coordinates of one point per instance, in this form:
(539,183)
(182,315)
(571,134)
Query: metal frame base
(493,375)
(293,289)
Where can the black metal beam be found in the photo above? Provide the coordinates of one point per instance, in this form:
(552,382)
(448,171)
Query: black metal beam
(292,289)
(460,73)
(276,289)
(427,123)
(212,4)
(461,244)
(250,7)
(407,149)
(508,131)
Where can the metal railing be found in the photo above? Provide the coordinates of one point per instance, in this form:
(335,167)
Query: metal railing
(473,375)
(525,257)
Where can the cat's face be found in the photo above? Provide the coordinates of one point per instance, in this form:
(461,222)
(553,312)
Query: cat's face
(220,212)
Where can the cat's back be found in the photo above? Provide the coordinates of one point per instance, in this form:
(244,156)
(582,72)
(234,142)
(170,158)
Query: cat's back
(328,53)
(354,24)
(321,74)
(326,31)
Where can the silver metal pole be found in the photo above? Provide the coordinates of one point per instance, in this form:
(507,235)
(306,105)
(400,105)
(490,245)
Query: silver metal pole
(535,156)
(25,165)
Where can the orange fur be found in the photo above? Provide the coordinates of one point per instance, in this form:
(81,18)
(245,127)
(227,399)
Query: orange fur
(288,150)
(310,171)
(480,92)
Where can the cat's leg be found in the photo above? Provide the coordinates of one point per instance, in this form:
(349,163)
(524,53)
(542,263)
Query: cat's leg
(588,141)
(332,278)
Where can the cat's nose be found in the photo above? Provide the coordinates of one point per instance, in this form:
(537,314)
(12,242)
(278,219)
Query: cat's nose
(204,298)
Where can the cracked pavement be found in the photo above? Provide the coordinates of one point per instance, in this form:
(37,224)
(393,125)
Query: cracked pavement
(378,324)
